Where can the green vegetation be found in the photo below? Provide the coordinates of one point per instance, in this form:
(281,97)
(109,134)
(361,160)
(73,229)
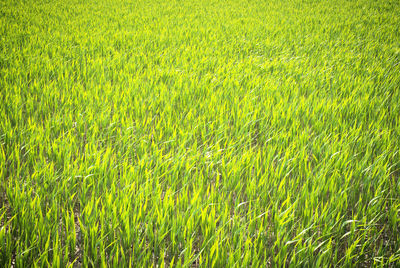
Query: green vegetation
(199,133)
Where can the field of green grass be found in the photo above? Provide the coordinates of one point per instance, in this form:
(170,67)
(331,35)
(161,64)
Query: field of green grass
(213,133)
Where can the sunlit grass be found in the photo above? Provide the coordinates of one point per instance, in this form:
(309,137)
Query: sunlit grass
(199,133)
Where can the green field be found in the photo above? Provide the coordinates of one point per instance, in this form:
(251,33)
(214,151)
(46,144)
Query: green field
(213,133)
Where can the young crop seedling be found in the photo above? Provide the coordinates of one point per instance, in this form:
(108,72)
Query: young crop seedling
(214,133)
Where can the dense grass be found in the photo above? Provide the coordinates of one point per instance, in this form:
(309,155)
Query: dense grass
(211,133)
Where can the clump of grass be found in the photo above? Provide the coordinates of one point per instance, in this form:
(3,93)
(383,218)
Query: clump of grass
(211,133)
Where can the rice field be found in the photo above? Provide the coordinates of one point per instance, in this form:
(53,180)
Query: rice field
(213,133)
